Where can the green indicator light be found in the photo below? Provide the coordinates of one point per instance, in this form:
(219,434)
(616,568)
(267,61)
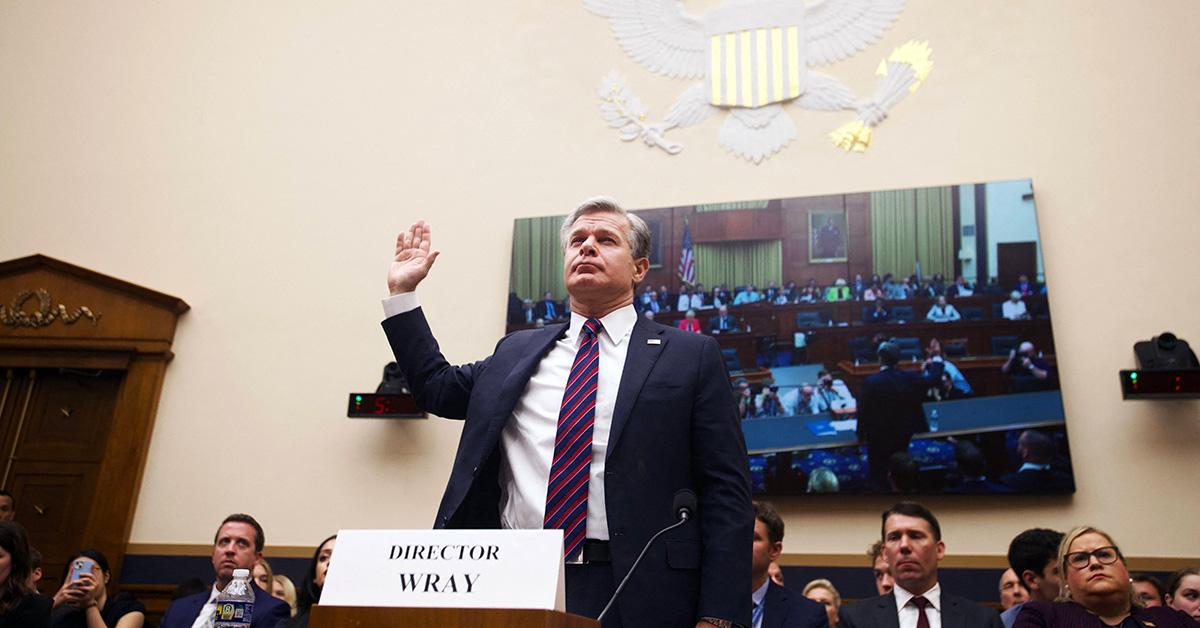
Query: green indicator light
(358,398)
(1133,376)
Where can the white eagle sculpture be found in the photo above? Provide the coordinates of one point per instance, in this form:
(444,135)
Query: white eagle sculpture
(753,57)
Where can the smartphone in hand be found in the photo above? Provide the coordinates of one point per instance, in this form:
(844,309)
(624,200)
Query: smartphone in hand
(80,566)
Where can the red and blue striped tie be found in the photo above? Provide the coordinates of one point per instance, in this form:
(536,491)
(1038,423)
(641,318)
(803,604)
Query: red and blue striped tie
(567,492)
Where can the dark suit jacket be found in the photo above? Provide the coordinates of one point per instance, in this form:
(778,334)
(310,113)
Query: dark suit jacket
(881,612)
(783,608)
(268,610)
(674,426)
(1040,614)
(1039,481)
(31,611)
(889,407)
(714,323)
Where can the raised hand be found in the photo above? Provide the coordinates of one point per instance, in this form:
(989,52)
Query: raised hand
(413,258)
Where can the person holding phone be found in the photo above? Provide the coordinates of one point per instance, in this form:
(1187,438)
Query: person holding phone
(83,600)
(20,606)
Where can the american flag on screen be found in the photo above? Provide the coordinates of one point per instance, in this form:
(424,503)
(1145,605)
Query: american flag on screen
(687,263)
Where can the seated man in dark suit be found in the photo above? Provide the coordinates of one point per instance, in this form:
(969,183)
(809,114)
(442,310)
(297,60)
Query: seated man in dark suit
(1036,474)
(238,545)
(722,322)
(774,605)
(913,547)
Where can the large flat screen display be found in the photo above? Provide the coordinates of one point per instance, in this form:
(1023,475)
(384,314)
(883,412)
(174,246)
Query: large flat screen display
(896,341)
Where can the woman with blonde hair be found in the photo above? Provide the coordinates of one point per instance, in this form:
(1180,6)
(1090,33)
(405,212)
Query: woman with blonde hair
(1097,591)
(286,591)
(823,592)
(263,575)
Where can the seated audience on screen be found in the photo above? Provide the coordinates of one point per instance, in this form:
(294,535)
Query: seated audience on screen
(238,544)
(548,309)
(1025,287)
(879,314)
(666,298)
(747,295)
(857,286)
(942,312)
(972,471)
(720,296)
(770,404)
(1033,556)
(873,292)
(309,592)
(689,322)
(960,288)
(822,480)
(937,284)
(774,605)
(834,393)
(839,291)
(880,569)
(85,603)
(1011,592)
(1026,370)
(654,304)
(1096,591)
(924,290)
(1036,473)
(1183,592)
(1014,308)
(912,543)
(1148,589)
(809,402)
(722,322)
(824,593)
(810,294)
(35,567)
(743,395)
(957,379)
(20,606)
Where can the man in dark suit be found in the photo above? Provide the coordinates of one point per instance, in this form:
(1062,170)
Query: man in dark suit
(774,605)
(1036,473)
(649,403)
(238,545)
(722,322)
(889,409)
(912,545)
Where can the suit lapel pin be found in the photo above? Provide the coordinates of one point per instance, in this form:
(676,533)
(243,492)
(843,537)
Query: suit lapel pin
(653,341)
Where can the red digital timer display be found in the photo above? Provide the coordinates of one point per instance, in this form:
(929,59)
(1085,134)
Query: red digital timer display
(373,405)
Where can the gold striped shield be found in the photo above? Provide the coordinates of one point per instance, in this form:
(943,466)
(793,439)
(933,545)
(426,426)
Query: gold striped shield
(755,67)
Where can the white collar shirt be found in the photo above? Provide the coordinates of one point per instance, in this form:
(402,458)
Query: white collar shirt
(758,597)
(908,613)
(208,612)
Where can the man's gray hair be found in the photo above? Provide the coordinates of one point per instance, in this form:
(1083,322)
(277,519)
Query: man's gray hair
(639,233)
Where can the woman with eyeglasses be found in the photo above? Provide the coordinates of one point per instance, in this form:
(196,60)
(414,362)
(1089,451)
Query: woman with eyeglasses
(1097,591)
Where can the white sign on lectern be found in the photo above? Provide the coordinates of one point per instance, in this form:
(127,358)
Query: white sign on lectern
(447,568)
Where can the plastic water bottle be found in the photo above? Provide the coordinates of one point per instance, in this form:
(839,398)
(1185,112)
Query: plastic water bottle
(933,420)
(235,605)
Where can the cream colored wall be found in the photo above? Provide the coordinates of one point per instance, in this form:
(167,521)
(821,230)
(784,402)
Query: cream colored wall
(257,159)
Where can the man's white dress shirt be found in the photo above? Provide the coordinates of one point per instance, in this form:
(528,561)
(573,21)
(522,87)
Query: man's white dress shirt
(908,613)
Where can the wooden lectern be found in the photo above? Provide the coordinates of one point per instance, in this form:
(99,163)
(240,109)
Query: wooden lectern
(384,617)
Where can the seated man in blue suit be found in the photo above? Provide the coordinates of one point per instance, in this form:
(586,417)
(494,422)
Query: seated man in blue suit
(591,426)
(238,545)
(774,605)
(913,547)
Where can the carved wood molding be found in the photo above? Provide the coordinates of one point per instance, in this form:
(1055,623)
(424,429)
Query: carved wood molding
(15,316)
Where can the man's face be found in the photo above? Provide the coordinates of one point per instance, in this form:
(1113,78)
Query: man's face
(806,392)
(912,552)
(1011,592)
(7,510)
(764,550)
(234,549)
(883,577)
(598,264)
(1044,586)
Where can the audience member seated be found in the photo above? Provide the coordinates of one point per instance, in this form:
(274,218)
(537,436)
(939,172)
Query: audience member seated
(912,544)
(1036,475)
(874,292)
(35,568)
(770,404)
(310,588)
(879,314)
(858,287)
(548,309)
(839,291)
(810,294)
(238,544)
(722,322)
(263,575)
(903,473)
(824,593)
(665,298)
(720,296)
(1014,308)
(773,604)
(942,312)
(1026,370)
(748,295)
(654,304)
(879,567)
(972,471)
(744,398)
(85,603)
(834,393)
(822,480)
(937,284)
(282,588)
(1011,592)
(1183,592)
(959,381)
(689,322)
(775,573)
(901,290)
(1033,556)
(1148,589)
(960,288)
(20,606)
(1096,591)
(8,506)
(1024,287)
(809,402)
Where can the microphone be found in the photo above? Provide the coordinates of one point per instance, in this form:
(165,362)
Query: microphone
(684,506)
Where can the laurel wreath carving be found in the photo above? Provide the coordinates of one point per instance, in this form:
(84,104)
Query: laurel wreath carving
(15,315)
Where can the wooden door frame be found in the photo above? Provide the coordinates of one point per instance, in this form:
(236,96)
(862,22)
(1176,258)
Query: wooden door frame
(116,325)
